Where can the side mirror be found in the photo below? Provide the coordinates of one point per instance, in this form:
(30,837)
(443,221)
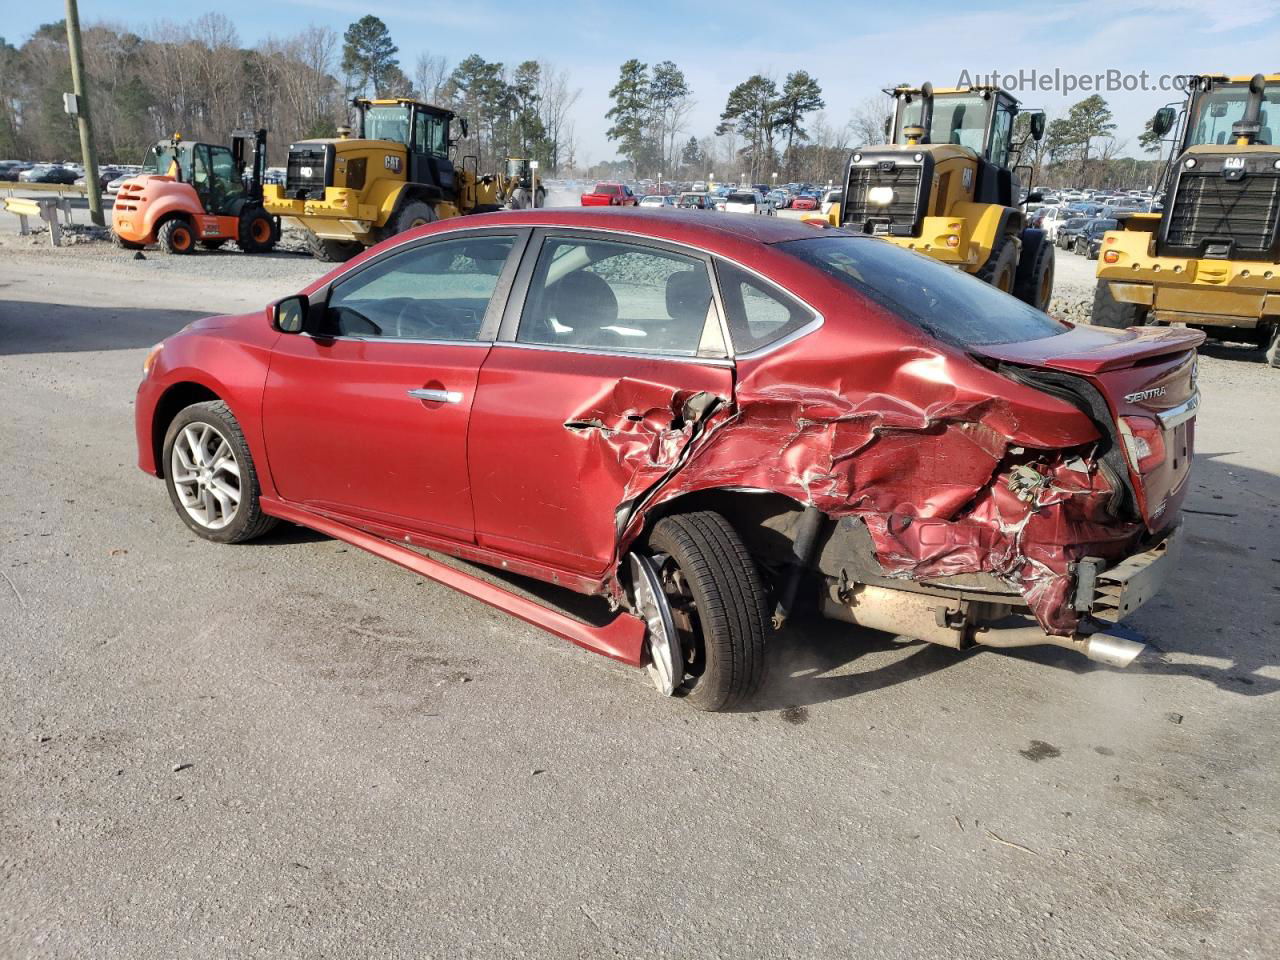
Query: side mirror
(462,125)
(1037,126)
(1035,196)
(1162,122)
(290,314)
(888,128)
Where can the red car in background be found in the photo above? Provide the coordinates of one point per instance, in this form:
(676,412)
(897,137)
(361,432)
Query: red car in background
(709,422)
(610,195)
(805,201)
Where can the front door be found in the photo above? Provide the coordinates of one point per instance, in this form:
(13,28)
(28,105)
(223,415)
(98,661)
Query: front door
(366,415)
(579,403)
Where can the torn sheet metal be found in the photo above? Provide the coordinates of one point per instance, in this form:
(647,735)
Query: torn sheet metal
(965,482)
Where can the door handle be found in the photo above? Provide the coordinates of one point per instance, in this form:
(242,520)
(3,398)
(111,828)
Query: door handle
(439,396)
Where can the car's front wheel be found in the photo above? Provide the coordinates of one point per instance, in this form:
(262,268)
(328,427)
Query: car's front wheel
(210,475)
(713,597)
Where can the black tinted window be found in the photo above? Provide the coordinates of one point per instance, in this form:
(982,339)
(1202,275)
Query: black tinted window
(938,299)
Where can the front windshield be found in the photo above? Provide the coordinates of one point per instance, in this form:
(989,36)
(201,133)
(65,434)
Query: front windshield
(387,123)
(159,160)
(960,119)
(945,303)
(1217,110)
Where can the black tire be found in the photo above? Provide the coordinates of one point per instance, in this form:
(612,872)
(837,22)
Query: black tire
(213,244)
(1110,312)
(1271,347)
(124,244)
(1033,283)
(176,236)
(518,200)
(248,521)
(332,251)
(413,214)
(1001,268)
(723,620)
(1091,253)
(256,232)
(540,198)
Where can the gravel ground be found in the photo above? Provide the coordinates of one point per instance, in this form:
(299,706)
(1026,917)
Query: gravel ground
(294,749)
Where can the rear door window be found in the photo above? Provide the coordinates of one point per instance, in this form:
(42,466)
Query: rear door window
(616,296)
(949,305)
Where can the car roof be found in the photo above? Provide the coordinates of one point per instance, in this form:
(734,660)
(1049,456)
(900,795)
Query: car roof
(696,229)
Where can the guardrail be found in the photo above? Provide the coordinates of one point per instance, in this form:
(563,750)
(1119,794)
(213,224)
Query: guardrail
(11,185)
(46,208)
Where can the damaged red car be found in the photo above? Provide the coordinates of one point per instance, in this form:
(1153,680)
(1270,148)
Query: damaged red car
(710,425)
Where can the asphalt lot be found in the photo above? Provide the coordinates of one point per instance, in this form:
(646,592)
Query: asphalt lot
(293,749)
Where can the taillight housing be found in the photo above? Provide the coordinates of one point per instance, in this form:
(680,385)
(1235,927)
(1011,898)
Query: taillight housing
(1143,442)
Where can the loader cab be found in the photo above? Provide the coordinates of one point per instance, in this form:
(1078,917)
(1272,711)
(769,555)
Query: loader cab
(423,129)
(980,119)
(1217,105)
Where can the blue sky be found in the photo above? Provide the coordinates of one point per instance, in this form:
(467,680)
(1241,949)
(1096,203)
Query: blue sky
(853,48)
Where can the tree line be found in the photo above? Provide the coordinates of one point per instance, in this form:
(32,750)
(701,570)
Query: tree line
(199,80)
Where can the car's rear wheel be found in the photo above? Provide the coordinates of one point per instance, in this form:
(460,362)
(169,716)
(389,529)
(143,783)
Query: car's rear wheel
(175,236)
(716,602)
(211,477)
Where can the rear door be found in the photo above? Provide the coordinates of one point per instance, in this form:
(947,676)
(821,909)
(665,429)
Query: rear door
(578,404)
(365,415)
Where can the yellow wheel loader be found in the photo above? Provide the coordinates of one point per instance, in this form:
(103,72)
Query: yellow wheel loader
(520,187)
(945,186)
(1211,258)
(396,172)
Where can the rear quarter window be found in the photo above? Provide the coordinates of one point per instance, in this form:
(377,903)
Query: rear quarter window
(758,313)
(940,300)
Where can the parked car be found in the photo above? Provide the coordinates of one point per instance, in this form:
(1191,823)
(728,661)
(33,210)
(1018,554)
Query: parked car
(830,199)
(658,200)
(696,200)
(606,194)
(804,201)
(1089,242)
(113,187)
(105,176)
(779,198)
(10,169)
(48,173)
(746,201)
(661,414)
(1069,231)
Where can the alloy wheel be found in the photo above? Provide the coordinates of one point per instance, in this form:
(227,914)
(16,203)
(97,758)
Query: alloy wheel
(206,475)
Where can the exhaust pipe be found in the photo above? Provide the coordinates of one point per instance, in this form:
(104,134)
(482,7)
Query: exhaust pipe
(943,622)
(1247,128)
(1112,650)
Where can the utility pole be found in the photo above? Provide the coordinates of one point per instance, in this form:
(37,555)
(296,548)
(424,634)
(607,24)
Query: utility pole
(81,104)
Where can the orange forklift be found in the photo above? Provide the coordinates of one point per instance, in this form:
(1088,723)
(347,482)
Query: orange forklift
(197,193)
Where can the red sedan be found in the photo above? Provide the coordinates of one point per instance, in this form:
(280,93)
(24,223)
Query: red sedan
(709,424)
(804,201)
(610,195)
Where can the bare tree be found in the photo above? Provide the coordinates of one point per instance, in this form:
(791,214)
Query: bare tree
(555,99)
(431,78)
(869,121)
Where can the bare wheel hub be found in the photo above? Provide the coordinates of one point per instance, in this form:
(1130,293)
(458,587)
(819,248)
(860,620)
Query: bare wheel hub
(666,661)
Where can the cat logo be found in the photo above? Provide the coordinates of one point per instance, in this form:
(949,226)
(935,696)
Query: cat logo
(392,162)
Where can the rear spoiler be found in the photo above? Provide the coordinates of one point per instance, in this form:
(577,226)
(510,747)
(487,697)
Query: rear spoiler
(1088,350)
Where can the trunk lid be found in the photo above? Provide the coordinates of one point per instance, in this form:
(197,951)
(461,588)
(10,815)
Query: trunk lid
(1146,377)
